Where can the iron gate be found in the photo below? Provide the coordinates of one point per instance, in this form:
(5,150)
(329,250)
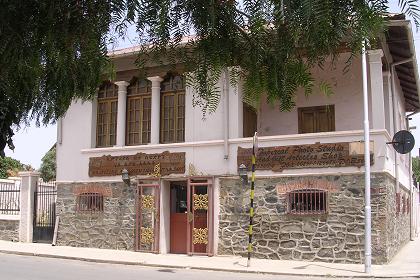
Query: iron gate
(44,212)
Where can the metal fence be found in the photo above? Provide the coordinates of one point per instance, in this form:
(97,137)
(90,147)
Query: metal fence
(44,211)
(9,198)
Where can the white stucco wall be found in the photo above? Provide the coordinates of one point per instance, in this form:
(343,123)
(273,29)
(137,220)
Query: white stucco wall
(204,144)
(347,100)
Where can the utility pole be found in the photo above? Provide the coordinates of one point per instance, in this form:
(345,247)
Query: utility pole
(368,221)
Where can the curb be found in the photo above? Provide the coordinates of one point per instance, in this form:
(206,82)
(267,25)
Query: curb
(143,264)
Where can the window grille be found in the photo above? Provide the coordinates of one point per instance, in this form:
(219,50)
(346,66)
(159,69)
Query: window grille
(397,203)
(408,204)
(90,202)
(403,204)
(307,202)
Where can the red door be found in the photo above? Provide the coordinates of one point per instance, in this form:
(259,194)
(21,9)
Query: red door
(190,218)
(179,214)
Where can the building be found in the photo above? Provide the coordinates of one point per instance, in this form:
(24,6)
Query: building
(184,194)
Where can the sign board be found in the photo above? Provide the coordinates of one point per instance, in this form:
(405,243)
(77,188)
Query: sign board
(403,141)
(138,164)
(318,155)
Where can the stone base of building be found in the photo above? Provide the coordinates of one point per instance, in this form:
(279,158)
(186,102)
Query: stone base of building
(334,236)
(9,230)
(112,228)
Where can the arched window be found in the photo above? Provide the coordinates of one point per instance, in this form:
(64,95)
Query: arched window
(138,112)
(172,124)
(106,121)
(307,202)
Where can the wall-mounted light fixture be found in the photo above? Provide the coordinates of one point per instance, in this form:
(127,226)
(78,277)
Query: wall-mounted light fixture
(243,173)
(125,176)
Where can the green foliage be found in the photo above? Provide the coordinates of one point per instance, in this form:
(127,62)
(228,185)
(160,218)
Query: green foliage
(416,168)
(48,165)
(273,44)
(9,167)
(52,52)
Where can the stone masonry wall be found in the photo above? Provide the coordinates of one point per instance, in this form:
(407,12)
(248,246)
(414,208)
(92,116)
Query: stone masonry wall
(9,230)
(334,237)
(112,229)
(398,224)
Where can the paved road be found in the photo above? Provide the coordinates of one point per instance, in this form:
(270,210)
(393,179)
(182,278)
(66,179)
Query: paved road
(14,267)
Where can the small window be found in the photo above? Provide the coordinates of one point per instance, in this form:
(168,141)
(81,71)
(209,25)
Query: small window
(403,204)
(316,119)
(408,205)
(90,202)
(397,203)
(307,202)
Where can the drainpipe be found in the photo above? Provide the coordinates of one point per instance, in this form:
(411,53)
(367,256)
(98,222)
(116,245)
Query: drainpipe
(410,180)
(226,110)
(395,120)
(368,221)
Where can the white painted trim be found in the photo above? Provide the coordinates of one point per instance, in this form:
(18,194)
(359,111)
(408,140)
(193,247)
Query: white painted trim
(314,136)
(94,179)
(29,173)
(10,217)
(7,181)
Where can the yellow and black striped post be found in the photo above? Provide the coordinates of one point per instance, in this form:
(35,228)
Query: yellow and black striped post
(251,208)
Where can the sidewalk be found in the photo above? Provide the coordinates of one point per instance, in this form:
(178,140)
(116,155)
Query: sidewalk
(405,264)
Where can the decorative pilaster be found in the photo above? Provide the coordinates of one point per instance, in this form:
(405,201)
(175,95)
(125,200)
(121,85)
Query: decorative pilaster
(376,89)
(155,114)
(121,115)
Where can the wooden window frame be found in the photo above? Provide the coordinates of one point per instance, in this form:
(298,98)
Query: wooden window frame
(107,97)
(312,202)
(328,108)
(177,120)
(141,96)
(90,202)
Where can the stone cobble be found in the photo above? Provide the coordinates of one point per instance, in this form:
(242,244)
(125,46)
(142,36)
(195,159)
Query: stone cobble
(9,230)
(111,229)
(337,236)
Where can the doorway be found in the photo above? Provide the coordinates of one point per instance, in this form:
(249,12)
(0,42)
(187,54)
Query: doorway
(191,218)
(178,217)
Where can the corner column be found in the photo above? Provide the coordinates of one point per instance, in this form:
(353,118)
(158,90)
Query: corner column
(155,114)
(376,89)
(28,185)
(121,114)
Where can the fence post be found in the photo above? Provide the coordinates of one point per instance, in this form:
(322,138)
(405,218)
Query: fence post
(29,180)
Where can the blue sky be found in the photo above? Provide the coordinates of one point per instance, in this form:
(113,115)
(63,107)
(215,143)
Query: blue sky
(33,142)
